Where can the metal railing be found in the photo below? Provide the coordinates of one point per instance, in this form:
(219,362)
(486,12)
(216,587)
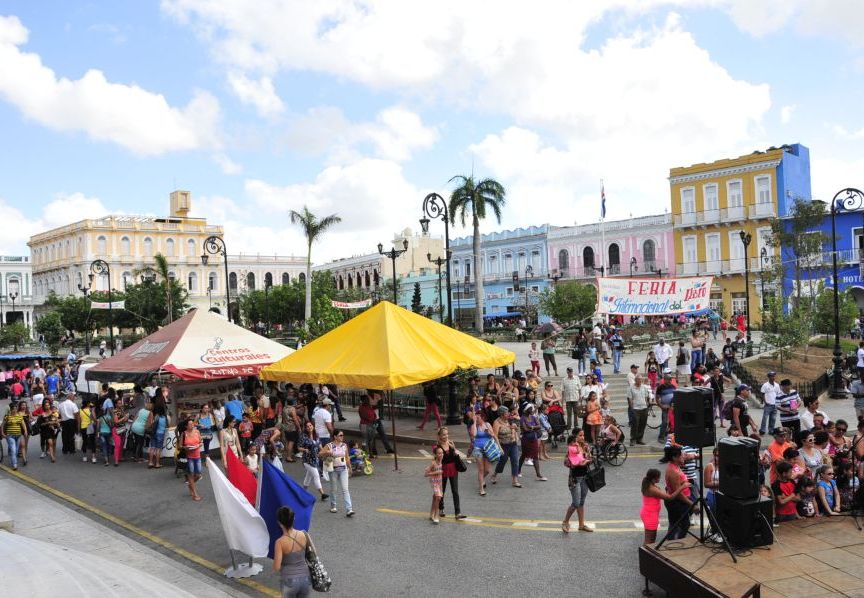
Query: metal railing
(762,210)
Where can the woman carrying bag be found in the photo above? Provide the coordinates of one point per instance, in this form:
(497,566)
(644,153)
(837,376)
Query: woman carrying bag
(578,459)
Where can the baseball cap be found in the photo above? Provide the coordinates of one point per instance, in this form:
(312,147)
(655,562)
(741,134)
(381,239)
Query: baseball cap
(772,373)
(778,432)
(742,387)
(326,402)
(667,372)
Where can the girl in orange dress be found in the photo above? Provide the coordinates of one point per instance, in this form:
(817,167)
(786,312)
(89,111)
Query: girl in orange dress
(595,418)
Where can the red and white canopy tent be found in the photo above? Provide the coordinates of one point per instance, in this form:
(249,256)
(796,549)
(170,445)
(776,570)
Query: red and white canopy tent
(198,346)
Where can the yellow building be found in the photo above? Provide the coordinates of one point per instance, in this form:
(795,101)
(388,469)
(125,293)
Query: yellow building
(712,204)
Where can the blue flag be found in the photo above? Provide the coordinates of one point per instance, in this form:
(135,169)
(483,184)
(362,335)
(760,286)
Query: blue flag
(279,490)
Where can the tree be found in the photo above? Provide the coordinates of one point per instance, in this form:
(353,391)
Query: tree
(569,302)
(52,329)
(162,270)
(313,228)
(416,300)
(472,199)
(801,233)
(74,312)
(14,334)
(786,331)
(823,314)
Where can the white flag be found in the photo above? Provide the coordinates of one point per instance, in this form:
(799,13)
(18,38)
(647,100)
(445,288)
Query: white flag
(244,528)
(277,463)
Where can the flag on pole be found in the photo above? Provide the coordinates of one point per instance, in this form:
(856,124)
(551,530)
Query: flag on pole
(245,530)
(278,490)
(602,201)
(241,477)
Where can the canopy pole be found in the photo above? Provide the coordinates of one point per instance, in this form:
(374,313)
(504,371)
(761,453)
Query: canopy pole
(393,433)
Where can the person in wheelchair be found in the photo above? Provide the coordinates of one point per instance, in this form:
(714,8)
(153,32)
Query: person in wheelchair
(610,433)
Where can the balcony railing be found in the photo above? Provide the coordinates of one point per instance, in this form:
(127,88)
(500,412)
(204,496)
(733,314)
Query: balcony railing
(613,269)
(733,213)
(762,210)
(708,217)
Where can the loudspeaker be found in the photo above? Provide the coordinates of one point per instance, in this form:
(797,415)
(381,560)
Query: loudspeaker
(693,408)
(745,523)
(738,460)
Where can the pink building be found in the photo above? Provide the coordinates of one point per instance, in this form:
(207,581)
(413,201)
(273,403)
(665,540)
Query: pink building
(642,246)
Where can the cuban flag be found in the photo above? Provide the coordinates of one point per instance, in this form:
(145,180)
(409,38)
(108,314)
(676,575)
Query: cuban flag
(602,201)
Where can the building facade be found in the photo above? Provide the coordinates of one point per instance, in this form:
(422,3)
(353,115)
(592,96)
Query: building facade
(16,290)
(506,255)
(641,246)
(61,257)
(713,203)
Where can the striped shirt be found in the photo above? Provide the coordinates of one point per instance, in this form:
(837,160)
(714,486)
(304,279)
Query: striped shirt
(789,401)
(14,424)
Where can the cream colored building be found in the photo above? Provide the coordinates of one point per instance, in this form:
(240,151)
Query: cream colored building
(61,257)
(16,290)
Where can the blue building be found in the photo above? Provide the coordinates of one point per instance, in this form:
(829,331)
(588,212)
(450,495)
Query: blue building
(521,252)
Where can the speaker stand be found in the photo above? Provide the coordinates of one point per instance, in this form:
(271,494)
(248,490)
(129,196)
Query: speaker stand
(858,496)
(703,511)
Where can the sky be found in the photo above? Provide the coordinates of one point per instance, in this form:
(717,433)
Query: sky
(361,108)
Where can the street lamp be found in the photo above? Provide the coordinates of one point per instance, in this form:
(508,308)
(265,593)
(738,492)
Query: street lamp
(746,238)
(1,311)
(101,268)
(763,254)
(435,206)
(393,254)
(633,266)
(439,261)
(529,273)
(214,245)
(13,295)
(555,276)
(267,285)
(846,200)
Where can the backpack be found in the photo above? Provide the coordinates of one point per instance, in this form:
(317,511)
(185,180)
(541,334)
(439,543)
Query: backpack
(726,411)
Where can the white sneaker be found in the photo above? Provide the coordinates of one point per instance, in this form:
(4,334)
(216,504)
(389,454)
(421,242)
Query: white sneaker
(84,459)
(42,456)
(529,461)
(92,460)
(334,510)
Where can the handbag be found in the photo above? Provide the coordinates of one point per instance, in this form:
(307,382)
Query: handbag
(317,573)
(460,464)
(492,451)
(581,409)
(595,478)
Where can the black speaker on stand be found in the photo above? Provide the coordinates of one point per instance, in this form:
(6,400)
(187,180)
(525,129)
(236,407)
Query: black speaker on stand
(738,460)
(693,408)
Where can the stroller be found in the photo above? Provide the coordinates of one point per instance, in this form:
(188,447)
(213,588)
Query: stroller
(559,426)
(361,463)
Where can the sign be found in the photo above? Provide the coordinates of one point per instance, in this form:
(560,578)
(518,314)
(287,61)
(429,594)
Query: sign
(352,305)
(653,296)
(107,305)
(494,295)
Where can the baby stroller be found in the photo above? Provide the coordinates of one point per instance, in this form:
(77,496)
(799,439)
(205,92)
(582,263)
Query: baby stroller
(558,425)
(361,463)
(180,462)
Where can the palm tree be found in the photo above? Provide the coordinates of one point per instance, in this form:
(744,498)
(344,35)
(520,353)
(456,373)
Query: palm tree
(474,198)
(313,228)
(162,270)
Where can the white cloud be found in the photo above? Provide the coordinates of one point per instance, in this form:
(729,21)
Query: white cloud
(227,165)
(259,93)
(134,118)
(830,18)
(67,208)
(786,113)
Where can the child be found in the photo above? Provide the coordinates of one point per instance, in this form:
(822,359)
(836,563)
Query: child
(595,369)
(534,358)
(807,492)
(547,428)
(785,496)
(356,456)
(245,428)
(433,472)
(592,355)
(604,408)
(847,485)
(575,456)
(829,495)
(252,459)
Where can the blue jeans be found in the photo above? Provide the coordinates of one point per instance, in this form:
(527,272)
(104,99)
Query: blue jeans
(695,358)
(769,416)
(12,443)
(616,361)
(295,587)
(340,476)
(511,452)
(106,443)
(581,365)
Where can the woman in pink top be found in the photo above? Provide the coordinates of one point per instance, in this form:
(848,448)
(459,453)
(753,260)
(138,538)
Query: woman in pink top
(651,497)
(677,487)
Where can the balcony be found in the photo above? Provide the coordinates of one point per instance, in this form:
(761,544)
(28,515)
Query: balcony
(733,214)
(708,217)
(762,210)
(613,269)
(733,266)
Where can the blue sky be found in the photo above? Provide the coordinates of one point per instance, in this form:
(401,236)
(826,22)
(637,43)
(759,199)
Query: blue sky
(361,108)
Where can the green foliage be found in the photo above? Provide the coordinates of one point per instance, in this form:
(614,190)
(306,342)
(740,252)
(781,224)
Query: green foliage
(51,327)
(14,334)
(416,300)
(786,330)
(569,302)
(313,228)
(74,312)
(823,314)
(801,233)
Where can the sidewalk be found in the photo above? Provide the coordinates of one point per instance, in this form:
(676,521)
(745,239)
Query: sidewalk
(47,528)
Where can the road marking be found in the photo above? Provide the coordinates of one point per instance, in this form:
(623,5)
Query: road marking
(134,529)
(519,524)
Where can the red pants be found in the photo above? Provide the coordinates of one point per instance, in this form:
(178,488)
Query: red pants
(535,366)
(431,408)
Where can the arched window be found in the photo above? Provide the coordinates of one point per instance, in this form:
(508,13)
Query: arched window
(169,248)
(341,283)
(148,246)
(588,260)
(126,278)
(366,278)
(649,249)
(614,259)
(125,246)
(350,281)
(232,281)
(211,281)
(302,278)
(67,285)
(268,279)
(192,282)
(101,245)
(250,281)
(190,247)
(286,278)
(359,282)
(172,275)
(563,261)
(376,277)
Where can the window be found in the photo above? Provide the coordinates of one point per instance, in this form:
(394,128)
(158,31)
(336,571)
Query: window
(192,282)
(211,281)
(563,260)
(374,277)
(80,246)
(763,189)
(125,246)
(302,278)
(715,301)
(456,268)
(649,255)
(101,245)
(172,275)
(169,248)
(733,194)
(739,303)
(190,247)
(148,246)
(710,195)
(493,264)
(521,260)
(268,279)
(341,283)
(614,258)
(736,252)
(535,260)
(366,279)
(250,281)
(350,281)
(126,278)
(232,281)
(688,200)
(509,291)
(712,253)
(359,281)
(690,255)
(467,269)
(588,258)
(286,278)
(507,266)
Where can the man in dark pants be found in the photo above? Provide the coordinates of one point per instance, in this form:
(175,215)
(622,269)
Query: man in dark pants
(68,426)
(638,396)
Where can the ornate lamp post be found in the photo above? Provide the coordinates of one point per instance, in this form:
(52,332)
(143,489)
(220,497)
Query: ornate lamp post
(13,295)
(633,266)
(555,276)
(267,285)
(393,254)
(439,261)
(763,254)
(435,206)
(214,245)
(101,268)
(846,200)
(746,239)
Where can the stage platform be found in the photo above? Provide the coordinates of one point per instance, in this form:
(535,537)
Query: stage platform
(809,558)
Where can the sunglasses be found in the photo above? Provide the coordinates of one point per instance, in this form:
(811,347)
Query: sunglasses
(841,429)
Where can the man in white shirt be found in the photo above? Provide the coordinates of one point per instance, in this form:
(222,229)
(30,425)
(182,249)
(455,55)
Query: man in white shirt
(68,410)
(812,409)
(324,421)
(662,352)
(638,396)
(860,364)
(571,388)
(770,390)
(631,376)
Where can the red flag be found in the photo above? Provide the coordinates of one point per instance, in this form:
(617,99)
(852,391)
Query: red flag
(241,477)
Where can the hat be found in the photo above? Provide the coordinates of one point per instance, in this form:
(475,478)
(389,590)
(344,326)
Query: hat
(741,388)
(667,372)
(772,373)
(778,432)
(326,401)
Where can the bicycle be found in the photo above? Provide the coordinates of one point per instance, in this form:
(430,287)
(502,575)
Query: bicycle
(654,417)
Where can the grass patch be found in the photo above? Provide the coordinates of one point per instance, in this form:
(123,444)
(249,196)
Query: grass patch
(828,343)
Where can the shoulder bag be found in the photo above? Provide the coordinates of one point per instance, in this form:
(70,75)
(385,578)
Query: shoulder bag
(596,476)
(317,574)
(492,451)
